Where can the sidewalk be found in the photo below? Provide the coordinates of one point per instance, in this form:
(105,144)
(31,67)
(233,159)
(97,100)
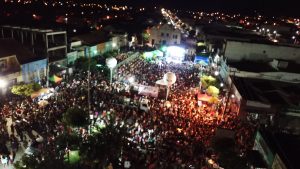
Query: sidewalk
(21,149)
(18,157)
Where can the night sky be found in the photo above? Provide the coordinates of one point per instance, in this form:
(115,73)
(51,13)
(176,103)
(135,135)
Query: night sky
(271,7)
(264,7)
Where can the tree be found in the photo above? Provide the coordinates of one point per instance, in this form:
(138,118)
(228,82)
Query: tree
(111,53)
(53,69)
(76,117)
(146,36)
(25,89)
(47,161)
(192,33)
(27,162)
(83,64)
(105,146)
(70,140)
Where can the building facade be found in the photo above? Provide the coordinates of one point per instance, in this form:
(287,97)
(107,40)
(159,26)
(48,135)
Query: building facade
(243,50)
(18,64)
(164,35)
(95,44)
(34,71)
(46,43)
(277,149)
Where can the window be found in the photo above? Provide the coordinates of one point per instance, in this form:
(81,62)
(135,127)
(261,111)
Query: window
(167,34)
(162,34)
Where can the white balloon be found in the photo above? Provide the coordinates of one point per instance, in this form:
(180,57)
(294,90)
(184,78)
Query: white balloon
(170,78)
(111,63)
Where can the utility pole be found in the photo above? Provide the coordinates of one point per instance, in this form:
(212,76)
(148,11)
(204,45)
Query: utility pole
(47,71)
(89,83)
(48,64)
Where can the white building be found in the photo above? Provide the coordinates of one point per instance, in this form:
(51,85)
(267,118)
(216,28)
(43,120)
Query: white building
(250,51)
(164,34)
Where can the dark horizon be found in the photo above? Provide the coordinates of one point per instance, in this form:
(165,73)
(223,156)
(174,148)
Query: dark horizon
(265,7)
(248,7)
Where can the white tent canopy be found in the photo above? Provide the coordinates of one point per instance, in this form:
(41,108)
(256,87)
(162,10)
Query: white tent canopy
(161,82)
(148,91)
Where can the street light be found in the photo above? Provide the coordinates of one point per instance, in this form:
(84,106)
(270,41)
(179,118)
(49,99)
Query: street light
(111,64)
(275,33)
(216,73)
(91,122)
(89,83)
(294,38)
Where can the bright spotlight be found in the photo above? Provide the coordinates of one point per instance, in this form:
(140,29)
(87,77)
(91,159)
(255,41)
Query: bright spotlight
(3,83)
(91,116)
(131,79)
(217,73)
(175,54)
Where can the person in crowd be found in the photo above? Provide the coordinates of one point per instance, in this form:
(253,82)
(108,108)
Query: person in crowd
(176,136)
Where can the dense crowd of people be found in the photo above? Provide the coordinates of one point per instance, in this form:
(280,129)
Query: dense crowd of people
(179,133)
(173,136)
